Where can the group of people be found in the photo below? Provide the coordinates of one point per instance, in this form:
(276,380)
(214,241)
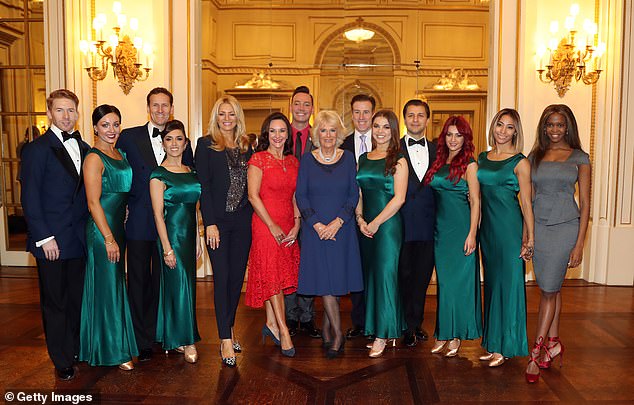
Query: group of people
(313,212)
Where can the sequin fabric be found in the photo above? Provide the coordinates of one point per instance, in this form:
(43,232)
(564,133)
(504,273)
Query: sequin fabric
(237,195)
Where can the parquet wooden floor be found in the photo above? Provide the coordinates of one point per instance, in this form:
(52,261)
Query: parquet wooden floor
(597,330)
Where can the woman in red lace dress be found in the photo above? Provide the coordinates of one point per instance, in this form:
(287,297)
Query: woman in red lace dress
(274,256)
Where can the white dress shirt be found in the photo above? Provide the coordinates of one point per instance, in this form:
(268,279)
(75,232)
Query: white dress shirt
(357,143)
(72,147)
(157,144)
(419,157)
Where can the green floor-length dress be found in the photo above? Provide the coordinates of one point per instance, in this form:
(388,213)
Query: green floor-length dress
(176,324)
(501,243)
(107,335)
(384,315)
(459,313)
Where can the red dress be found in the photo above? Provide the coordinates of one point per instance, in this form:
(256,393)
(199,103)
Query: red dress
(272,267)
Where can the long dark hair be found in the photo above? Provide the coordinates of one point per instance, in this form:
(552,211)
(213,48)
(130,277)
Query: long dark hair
(459,163)
(103,110)
(263,140)
(542,141)
(394,148)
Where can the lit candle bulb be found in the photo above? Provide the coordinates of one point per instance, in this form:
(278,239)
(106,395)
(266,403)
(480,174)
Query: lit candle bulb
(147,51)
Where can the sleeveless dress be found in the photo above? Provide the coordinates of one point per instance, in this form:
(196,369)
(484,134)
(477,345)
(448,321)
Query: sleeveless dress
(556,218)
(107,334)
(459,313)
(500,244)
(273,267)
(384,316)
(324,192)
(176,321)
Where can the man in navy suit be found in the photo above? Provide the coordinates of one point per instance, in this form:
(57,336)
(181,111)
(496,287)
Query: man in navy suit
(144,151)
(419,214)
(359,142)
(54,203)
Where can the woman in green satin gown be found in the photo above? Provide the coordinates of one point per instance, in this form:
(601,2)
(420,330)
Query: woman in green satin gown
(453,177)
(506,237)
(106,334)
(382,178)
(175,191)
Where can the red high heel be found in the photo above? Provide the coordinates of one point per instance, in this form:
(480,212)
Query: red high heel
(549,357)
(539,345)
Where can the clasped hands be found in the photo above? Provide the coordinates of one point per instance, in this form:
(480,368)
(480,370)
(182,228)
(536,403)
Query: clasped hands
(328,232)
(528,249)
(367,229)
(280,237)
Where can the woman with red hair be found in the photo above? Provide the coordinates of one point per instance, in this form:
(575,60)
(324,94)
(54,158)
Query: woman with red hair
(453,177)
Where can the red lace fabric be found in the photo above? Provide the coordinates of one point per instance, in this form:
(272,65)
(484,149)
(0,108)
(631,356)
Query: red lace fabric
(272,267)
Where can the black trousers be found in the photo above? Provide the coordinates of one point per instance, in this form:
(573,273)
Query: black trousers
(61,288)
(416,266)
(358,309)
(229,263)
(299,308)
(144,283)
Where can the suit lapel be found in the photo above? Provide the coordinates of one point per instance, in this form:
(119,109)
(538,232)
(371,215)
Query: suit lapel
(412,174)
(62,155)
(145,147)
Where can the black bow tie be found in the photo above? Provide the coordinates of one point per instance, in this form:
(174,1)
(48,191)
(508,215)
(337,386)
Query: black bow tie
(75,135)
(412,141)
(155,132)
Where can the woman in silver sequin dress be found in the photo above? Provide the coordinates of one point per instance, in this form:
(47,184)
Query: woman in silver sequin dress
(221,163)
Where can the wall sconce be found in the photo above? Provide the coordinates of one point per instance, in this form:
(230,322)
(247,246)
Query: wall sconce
(120,52)
(569,57)
(359,33)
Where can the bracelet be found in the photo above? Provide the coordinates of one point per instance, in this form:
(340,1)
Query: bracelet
(105,236)
(168,253)
(109,243)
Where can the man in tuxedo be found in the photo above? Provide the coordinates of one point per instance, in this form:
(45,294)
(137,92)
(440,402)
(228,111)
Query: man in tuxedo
(54,203)
(299,308)
(144,151)
(359,142)
(419,212)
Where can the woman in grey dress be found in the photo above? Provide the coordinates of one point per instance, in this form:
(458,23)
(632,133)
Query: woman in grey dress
(559,164)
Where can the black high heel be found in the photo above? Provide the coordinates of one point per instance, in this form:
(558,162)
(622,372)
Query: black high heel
(332,353)
(267,332)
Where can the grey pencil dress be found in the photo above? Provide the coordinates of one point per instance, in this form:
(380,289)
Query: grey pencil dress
(556,218)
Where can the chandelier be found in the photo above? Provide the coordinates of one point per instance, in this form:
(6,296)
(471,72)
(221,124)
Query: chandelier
(124,51)
(358,33)
(571,56)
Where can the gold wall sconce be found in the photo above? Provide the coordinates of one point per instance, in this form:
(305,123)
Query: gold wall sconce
(120,51)
(572,56)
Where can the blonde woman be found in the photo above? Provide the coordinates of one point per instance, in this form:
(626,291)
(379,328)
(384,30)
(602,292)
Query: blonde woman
(221,164)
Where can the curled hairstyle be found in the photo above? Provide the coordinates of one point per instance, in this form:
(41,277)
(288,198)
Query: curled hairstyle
(103,110)
(518,137)
(240,136)
(459,163)
(61,93)
(542,141)
(173,125)
(263,140)
(394,148)
(328,117)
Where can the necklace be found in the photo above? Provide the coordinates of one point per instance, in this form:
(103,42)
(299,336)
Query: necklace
(282,160)
(324,158)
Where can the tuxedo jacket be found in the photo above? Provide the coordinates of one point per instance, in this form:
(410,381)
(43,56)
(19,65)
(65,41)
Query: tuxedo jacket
(348,144)
(419,210)
(136,144)
(53,196)
(213,172)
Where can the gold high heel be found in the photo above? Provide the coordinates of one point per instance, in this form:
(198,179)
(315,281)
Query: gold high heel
(496,360)
(439,346)
(453,349)
(180,349)
(381,343)
(127,366)
(486,357)
(191,354)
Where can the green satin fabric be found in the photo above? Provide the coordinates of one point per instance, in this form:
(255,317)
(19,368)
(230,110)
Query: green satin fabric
(176,324)
(501,243)
(106,334)
(384,315)
(459,313)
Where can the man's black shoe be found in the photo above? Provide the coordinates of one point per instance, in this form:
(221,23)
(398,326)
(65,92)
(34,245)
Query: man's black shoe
(145,354)
(65,374)
(75,358)
(354,332)
(409,339)
(421,334)
(309,328)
